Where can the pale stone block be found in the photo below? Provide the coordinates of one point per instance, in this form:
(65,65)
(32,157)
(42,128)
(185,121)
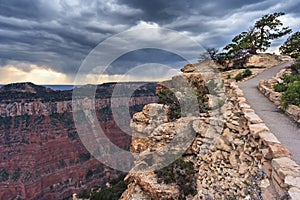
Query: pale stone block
(268,138)
(253,118)
(292,180)
(294,193)
(255,129)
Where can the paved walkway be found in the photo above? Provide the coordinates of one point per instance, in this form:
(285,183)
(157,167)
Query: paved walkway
(285,129)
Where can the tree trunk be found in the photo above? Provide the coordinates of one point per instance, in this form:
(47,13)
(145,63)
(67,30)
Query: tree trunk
(253,50)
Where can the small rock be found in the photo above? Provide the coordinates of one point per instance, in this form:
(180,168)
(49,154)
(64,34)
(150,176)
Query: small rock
(277,150)
(268,138)
(255,129)
(228,135)
(252,117)
(264,183)
(220,144)
(243,168)
(188,68)
(233,159)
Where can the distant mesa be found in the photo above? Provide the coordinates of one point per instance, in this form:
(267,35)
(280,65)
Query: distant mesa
(31,92)
(18,92)
(25,87)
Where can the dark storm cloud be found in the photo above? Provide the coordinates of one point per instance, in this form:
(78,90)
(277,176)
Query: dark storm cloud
(25,9)
(59,34)
(54,33)
(139,57)
(167,11)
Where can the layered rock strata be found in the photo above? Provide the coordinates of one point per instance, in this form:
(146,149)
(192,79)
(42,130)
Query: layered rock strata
(42,156)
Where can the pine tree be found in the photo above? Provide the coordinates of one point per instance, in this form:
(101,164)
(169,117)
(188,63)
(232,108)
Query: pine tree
(291,46)
(259,37)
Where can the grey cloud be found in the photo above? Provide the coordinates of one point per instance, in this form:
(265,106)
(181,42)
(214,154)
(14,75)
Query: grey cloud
(60,35)
(25,9)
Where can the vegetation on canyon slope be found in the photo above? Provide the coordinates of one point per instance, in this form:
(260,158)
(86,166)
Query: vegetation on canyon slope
(291,46)
(290,86)
(240,76)
(179,106)
(257,39)
(181,173)
(111,191)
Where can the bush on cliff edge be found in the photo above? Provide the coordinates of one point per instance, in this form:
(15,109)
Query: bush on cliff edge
(182,173)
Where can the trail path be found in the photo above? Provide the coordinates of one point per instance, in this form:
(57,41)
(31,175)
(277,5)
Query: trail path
(284,128)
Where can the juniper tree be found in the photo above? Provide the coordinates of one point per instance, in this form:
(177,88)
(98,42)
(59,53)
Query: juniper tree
(291,46)
(259,37)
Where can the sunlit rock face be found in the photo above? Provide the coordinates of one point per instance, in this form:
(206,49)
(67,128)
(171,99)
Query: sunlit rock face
(224,152)
(42,156)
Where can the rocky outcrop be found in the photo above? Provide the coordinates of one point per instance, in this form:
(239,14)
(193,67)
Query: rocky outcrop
(42,156)
(264,60)
(224,160)
(235,154)
(188,68)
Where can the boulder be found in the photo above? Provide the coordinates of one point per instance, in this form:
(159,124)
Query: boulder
(188,68)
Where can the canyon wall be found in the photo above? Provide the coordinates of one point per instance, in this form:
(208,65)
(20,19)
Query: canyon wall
(42,156)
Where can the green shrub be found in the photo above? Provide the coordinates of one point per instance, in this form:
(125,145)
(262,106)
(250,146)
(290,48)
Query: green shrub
(168,98)
(296,67)
(176,108)
(84,194)
(290,89)
(280,87)
(238,77)
(291,95)
(221,102)
(290,78)
(247,72)
(182,173)
(114,192)
(211,85)
(242,75)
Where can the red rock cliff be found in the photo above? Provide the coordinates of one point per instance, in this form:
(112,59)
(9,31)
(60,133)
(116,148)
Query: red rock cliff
(42,156)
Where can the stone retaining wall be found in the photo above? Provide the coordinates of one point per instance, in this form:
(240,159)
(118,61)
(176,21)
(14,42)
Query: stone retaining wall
(266,87)
(238,157)
(283,173)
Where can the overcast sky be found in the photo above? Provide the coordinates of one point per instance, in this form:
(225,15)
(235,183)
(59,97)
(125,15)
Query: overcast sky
(46,41)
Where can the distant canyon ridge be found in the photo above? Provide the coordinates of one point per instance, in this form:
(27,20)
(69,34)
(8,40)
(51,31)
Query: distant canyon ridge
(42,156)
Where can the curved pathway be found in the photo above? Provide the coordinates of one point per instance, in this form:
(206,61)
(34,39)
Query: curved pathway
(284,128)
